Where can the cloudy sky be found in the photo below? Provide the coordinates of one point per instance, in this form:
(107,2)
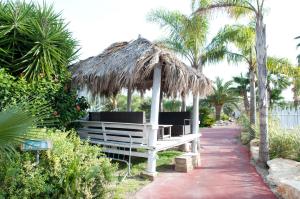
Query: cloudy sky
(99,23)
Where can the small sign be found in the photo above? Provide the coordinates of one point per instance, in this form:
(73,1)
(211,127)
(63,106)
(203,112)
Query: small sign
(36,145)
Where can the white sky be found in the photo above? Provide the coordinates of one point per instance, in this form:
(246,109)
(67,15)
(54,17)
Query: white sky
(99,23)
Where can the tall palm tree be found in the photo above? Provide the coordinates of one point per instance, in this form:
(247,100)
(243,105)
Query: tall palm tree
(280,71)
(188,37)
(254,9)
(242,88)
(243,38)
(224,94)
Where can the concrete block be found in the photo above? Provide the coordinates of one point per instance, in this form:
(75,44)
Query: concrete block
(184,163)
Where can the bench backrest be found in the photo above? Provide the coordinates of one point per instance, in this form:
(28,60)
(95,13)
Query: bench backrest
(123,117)
(173,118)
(117,133)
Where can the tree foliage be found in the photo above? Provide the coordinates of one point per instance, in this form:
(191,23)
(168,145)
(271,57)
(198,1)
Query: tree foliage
(60,103)
(187,35)
(239,41)
(171,105)
(241,88)
(34,40)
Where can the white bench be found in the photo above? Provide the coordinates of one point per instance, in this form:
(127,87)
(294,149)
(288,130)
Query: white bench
(129,139)
(112,135)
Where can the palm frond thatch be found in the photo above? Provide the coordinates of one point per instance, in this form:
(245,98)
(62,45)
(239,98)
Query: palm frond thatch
(131,64)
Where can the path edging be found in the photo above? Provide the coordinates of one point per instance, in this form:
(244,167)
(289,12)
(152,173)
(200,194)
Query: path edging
(281,186)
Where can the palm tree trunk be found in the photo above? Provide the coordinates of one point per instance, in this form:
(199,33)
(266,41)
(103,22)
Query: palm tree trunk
(183,103)
(252,102)
(252,98)
(246,101)
(295,96)
(261,52)
(218,112)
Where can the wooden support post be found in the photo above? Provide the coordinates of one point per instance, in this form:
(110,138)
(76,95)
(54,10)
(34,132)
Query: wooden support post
(183,103)
(129,96)
(151,165)
(195,121)
(161,104)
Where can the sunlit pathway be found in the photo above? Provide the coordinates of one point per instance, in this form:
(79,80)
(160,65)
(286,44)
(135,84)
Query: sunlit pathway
(225,173)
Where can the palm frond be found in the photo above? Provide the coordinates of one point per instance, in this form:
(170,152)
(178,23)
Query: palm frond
(235,8)
(224,93)
(35,40)
(186,34)
(18,122)
(281,66)
(213,55)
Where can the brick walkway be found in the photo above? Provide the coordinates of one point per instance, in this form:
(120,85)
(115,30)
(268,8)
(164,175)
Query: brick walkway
(225,173)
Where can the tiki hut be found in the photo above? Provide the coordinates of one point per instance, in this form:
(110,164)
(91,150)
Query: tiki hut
(141,65)
(131,65)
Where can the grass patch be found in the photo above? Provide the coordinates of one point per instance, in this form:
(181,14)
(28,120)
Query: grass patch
(132,184)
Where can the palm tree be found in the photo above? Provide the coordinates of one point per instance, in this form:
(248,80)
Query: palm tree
(298,45)
(243,38)
(296,90)
(253,8)
(34,41)
(224,94)
(187,37)
(280,71)
(242,88)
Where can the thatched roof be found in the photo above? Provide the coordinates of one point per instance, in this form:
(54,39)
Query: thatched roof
(132,64)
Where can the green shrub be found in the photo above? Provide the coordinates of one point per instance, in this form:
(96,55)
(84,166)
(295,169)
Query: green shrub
(63,105)
(248,131)
(224,117)
(206,118)
(71,169)
(283,143)
(146,106)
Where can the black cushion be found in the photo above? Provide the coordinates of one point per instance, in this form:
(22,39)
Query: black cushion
(123,117)
(173,118)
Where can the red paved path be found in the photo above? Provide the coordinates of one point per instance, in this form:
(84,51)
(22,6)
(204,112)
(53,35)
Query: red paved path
(225,173)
